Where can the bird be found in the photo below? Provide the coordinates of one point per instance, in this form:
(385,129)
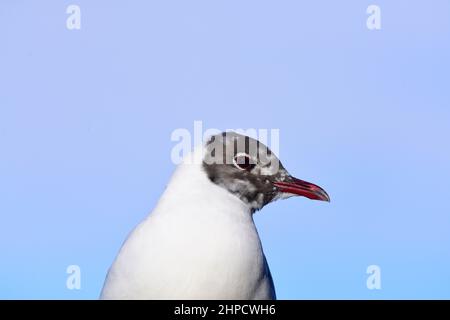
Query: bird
(200,241)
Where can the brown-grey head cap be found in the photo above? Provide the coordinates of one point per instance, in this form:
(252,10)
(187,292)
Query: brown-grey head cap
(249,170)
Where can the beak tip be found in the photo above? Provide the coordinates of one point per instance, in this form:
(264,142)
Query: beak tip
(325,198)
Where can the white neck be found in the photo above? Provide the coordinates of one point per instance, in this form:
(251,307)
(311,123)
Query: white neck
(190,187)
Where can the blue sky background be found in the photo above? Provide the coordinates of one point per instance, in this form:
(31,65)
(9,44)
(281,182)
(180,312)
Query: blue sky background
(86,117)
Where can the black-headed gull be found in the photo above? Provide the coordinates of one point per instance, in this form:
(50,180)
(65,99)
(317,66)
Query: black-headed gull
(200,242)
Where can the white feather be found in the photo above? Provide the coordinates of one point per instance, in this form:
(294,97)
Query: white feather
(200,242)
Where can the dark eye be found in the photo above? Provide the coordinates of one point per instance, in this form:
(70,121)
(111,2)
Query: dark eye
(243,162)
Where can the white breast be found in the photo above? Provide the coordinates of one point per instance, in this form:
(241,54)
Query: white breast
(200,242)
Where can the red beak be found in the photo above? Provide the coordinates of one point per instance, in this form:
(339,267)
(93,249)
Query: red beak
(303,188)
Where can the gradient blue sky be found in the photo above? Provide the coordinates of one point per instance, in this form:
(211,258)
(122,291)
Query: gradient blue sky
(86,117)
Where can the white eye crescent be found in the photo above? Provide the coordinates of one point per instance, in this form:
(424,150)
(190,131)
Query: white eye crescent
(243,161)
